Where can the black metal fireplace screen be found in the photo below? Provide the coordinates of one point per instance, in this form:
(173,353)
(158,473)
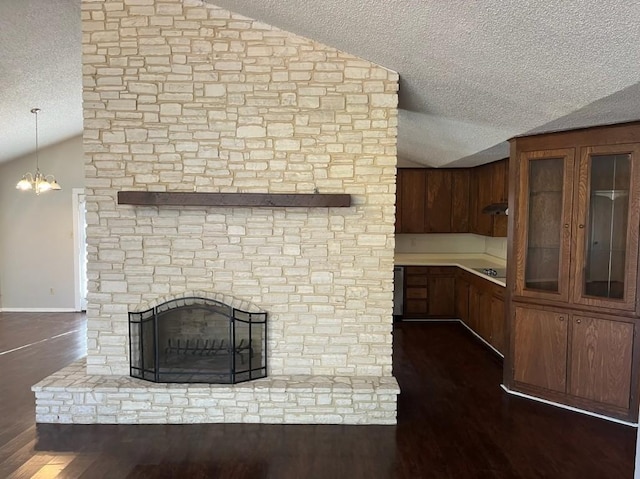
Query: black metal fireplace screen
(198,340)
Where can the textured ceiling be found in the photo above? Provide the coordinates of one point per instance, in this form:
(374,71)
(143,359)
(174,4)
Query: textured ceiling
(473,74)
(40,66)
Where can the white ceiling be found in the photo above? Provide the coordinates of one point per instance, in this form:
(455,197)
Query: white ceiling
(473,73)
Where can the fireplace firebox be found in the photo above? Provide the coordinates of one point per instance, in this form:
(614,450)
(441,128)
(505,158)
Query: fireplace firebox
(198,340)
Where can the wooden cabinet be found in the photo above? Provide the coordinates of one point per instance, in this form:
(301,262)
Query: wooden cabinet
(498,333)
(500,194)
(577,217)
(578,356)
(429,292)
(489,185)
(480,196)
(601,360)
(411,204)
(575,263)
(480,305)
(450,200)
(432,200)
(540,353)
(460,184)
(462,296)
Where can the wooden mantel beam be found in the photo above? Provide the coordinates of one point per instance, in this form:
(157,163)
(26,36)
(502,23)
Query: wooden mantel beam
(183,198)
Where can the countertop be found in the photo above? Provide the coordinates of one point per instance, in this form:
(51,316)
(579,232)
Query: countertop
(465,261)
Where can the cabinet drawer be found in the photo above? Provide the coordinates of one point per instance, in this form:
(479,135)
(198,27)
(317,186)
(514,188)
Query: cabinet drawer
(416,293)
(442,270)
(411,280)
(411,270)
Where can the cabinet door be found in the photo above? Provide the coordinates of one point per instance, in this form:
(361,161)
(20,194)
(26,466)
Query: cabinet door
(601,357)
(607,214)
(438,208)
(460,200)
(543,226)
(462,299)
(540,348)
(500,192)
(442,296)
(498,327)
(475,307)
(480,196)
(413,200)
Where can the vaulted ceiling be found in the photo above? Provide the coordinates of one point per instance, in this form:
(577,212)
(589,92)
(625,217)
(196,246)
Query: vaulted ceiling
(473,73)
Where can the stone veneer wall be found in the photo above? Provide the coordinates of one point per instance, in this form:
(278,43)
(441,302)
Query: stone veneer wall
(185,96)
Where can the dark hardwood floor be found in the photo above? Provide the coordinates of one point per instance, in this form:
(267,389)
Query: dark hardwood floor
(454,422)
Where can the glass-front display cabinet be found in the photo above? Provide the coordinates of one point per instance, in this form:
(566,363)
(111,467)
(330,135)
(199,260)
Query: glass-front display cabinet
(577,232)
(606,220)
(543,245)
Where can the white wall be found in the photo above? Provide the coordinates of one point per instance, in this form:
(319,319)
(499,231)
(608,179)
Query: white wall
(36,232)
(467,243)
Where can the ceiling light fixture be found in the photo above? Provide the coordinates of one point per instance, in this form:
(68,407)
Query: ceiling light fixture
(37,182)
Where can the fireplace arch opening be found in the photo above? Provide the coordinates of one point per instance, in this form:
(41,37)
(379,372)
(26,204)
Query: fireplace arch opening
(197,340)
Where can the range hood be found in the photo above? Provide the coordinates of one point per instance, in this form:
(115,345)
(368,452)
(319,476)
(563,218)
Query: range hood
(496,209)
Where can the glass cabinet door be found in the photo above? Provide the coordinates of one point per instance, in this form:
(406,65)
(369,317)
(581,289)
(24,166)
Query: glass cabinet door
(543,237)
(607,228)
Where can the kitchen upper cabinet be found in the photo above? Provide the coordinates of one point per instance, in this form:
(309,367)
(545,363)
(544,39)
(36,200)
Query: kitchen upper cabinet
(432,200)
(460,185)
(411,200)
(450,200)
(488,185)
(500,194)
(439,201)
(480,196)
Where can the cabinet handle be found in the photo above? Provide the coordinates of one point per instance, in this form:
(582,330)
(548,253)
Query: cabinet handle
(580,226)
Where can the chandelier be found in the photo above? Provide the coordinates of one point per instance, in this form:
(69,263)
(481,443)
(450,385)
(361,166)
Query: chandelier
(37,182)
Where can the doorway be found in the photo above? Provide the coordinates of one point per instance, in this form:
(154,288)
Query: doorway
(80,248)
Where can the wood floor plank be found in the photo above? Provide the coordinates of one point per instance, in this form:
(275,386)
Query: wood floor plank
(454,422)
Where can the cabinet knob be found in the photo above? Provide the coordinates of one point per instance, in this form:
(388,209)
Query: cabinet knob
(578,321)
(580,226)
(566,225)
(561,318)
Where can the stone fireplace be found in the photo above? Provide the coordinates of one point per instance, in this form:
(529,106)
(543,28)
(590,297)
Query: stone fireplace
(182,96)
(197,340)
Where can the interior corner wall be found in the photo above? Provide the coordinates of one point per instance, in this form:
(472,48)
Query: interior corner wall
(36,232)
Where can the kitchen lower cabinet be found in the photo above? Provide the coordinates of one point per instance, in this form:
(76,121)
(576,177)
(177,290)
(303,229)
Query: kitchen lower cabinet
(462,297)
(429,292)
(498,338)
(577,359)
(480,305)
